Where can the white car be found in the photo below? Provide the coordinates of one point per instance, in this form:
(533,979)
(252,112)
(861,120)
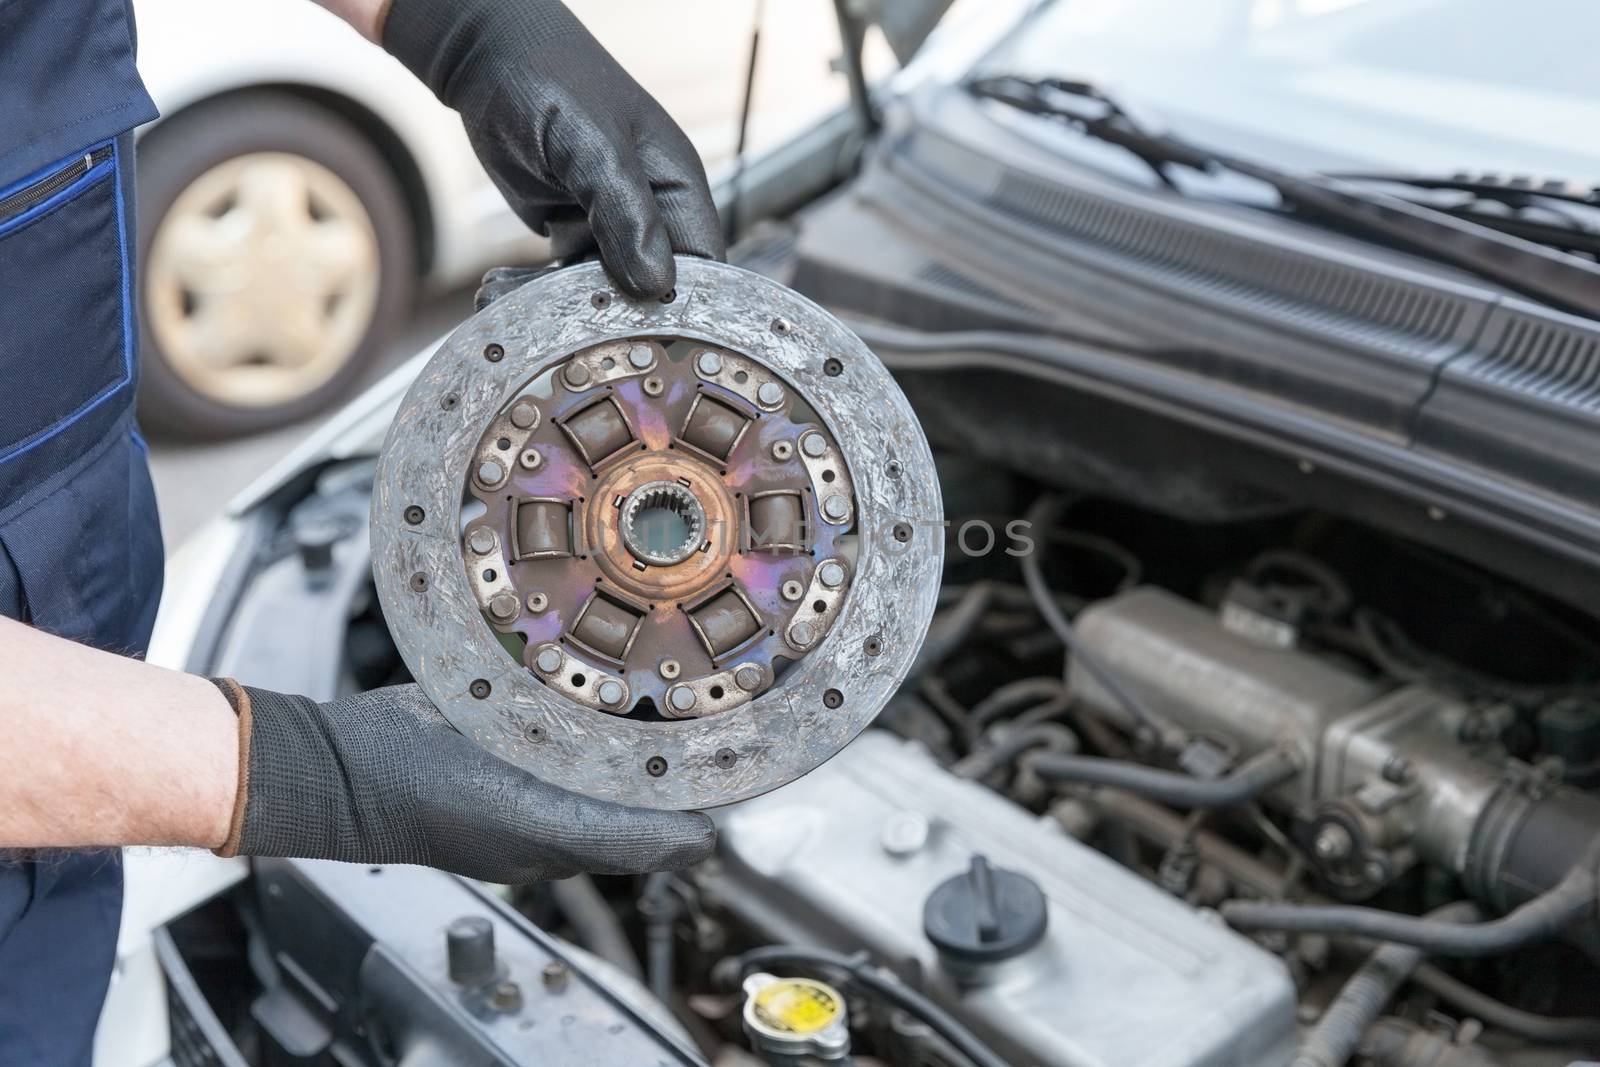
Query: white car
(301,185)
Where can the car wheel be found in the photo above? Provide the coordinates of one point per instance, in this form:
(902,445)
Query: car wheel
(276,255)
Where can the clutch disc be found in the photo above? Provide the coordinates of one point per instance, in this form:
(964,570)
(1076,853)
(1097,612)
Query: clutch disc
(671,553)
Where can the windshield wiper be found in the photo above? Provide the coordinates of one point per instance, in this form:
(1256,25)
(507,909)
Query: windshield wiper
(1465,241)
(1554,213)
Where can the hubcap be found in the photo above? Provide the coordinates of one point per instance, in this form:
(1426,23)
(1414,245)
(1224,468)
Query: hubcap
(262,279)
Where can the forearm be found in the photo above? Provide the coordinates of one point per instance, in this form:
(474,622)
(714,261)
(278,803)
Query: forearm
(97,749)
(365,15)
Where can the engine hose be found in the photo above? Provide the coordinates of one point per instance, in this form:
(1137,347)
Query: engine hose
(1545,1029)
(950,628)
(1357,1006)
(1012,743)
(1145,723)
(659,908)
(597,927)
(885,985)
(1014,695)
(1256,776)
(1569,901)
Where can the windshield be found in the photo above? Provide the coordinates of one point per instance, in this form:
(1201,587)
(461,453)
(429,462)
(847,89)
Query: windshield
(1429,86)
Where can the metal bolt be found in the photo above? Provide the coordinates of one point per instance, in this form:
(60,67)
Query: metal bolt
(893,469)
(576,374)
(414,515)
(554,976)
(494,353)
(831,573)
(537,602)
(726,757)
(770,395)
(449,401)
(669,669)
(709,364)
(530,458)
(873,645)
(419,582)
(835,506)
(832,699)
(782,450)
(681,697)
(792,590)
(814,444)
(507,997)
(781,327)
(640,356)
(600,299)
(481,540)
(548,660)
(655,766)
(524,414)
(653,386)
(1397,769)
(503,606)
(748,677)
(1333,843)
(491,472)
(802,634)
(479,688)
(610,692)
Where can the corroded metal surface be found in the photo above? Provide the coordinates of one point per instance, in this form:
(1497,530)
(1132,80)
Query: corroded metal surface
(780,707)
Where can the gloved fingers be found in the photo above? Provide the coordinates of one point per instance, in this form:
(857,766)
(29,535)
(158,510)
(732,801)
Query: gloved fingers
(499,281)
(575,834)
(684,198)
(621,210)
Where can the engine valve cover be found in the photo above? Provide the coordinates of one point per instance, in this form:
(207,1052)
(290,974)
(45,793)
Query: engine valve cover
(672,553)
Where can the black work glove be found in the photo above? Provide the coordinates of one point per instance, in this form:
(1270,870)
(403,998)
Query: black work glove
(581,152)
(381,777)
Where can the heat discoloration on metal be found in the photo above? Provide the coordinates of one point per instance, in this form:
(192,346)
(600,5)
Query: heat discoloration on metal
(786,730)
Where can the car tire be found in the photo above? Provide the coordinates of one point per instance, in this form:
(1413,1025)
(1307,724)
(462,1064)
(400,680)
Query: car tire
(277,254)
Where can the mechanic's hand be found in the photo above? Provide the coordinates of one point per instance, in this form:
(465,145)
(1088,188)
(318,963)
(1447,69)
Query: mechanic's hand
(381,777)
(581,152)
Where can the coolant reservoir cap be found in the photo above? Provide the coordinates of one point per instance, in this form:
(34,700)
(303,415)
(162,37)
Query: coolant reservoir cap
(985,915)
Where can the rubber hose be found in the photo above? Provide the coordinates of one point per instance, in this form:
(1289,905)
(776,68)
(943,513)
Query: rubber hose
(658,908)
(1569,901)
(597,927)
(1013,743)
(1357,1006)
(1545,1029)
(1253,778)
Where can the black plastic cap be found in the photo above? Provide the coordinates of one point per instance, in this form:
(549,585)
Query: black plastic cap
(986,915)
(469,942)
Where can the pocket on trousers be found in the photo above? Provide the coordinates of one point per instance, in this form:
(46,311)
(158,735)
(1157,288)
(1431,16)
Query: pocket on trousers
(66,337)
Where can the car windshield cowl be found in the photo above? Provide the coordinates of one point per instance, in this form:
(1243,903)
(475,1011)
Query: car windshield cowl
(1514,257)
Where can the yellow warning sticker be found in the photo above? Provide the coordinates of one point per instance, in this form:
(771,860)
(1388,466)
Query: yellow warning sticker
(796,1006)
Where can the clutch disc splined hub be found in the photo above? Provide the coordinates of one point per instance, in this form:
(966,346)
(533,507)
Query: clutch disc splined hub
(672,553)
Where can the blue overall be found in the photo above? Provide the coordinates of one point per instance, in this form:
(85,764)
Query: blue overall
(80,544)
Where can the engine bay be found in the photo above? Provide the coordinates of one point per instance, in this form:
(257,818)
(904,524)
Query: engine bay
(1067,855)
